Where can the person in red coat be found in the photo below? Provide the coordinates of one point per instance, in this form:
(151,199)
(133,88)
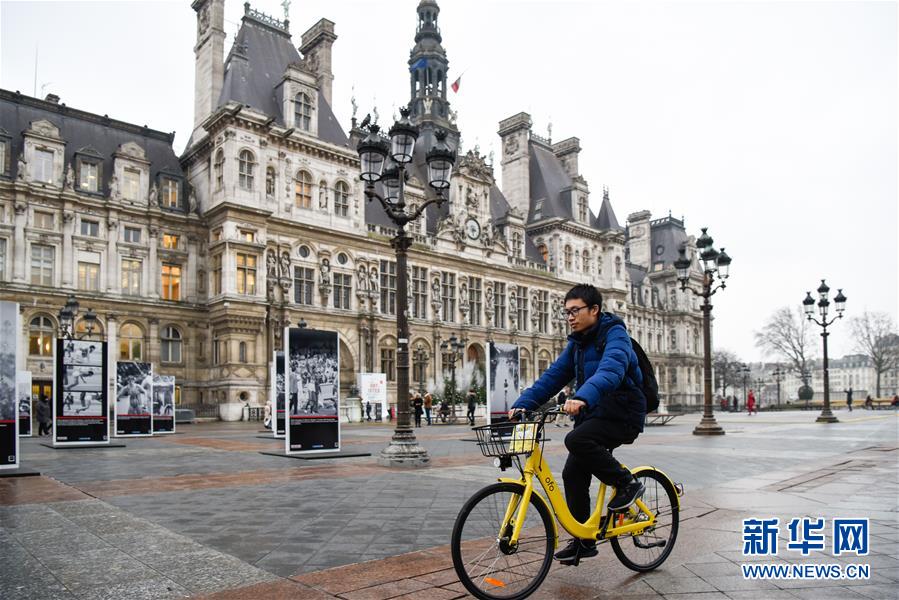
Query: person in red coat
(750,403)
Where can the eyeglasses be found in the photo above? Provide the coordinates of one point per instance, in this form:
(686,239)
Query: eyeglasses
(572,312)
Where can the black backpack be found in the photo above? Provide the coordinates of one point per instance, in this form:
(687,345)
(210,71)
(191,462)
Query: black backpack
(650,386)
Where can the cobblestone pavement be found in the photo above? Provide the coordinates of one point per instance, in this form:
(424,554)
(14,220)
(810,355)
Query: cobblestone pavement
(204,513)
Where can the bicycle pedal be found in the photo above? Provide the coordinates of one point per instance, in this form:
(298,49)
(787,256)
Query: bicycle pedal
(573,562)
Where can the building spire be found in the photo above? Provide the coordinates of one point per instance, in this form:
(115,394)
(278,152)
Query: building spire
(428,69)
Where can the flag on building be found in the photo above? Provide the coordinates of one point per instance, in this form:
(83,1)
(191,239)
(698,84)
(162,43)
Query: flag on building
(421,63)
(455,85)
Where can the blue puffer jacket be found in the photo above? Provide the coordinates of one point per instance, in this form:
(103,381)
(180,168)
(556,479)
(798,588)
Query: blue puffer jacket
(610,383)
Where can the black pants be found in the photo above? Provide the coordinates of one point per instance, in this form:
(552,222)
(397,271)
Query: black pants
(470,415)
(589,444)
(44,428)
(417,418)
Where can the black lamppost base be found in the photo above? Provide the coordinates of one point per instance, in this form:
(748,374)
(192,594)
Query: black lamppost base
(827,417)
(404,453)
(708,426)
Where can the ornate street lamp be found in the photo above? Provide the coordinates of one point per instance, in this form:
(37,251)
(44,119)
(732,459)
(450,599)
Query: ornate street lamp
(712,262)
(745,371)
(420,357)
(808,305)
(67,316)
(778,375)
(453,350)
(374,152)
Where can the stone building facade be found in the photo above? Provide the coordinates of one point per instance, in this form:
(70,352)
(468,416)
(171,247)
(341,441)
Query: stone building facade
(197,262)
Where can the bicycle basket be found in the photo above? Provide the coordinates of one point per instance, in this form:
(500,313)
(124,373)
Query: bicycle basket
(507,439)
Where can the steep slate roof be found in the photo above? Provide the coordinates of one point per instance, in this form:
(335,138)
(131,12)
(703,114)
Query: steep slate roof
(670,235)
(606,217)
(551,190)
(253,70)
(81,130)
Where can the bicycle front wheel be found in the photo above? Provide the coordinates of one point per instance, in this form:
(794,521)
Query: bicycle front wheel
(487,563)
(648,550)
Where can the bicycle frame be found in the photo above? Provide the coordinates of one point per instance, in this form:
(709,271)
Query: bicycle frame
(536,467)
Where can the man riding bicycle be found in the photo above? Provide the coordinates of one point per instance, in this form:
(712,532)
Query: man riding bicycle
(608,405)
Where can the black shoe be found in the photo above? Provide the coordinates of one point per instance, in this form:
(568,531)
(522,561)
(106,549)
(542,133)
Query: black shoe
(626,495)
(577,549)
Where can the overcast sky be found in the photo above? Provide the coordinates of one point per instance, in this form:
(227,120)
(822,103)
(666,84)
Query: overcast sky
(772,123)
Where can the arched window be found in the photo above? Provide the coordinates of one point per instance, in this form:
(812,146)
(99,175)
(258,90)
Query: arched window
(219,170)
(302,112)
(96,331)
(270,182)
(242,352)
(170,348)
(586,262)
(40,336)
(303,189)
(567,256)
(544,252)
(672,338)
(516,245)
(341,199)
(131,342)
(617,266)
(246,167)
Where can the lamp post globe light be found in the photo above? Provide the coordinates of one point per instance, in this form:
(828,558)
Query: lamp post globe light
(384,161)
(745,371)
(713,263)
(453,349)
(808,305)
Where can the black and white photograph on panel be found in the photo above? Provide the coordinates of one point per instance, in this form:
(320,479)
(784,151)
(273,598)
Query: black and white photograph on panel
(23,395)
(163,404)
(280,395)
(82,352)
(80,406)
(134,399)
(503,380)
(312,383)
(82,378)
(87,404)
(9,414)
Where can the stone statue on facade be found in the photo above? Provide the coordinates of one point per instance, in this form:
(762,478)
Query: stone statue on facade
(114,187)
(284,267)
(324,281)
(535,316)
(22,169)
(154,196)
(464,304)
(436,302)
(361,281)
(69,182)
(192,205)
(513,311)
(489,307)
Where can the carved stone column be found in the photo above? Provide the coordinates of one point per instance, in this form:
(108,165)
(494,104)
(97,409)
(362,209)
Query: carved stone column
(19,251)
(67,263)
(154,269)
(191,274)
(113,283)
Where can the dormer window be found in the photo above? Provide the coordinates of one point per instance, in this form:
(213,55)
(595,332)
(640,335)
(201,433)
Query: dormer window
(516,245)
(88,176)
(302,112)
(43,166)
(582,209)
(131,184)
(219,169)
(170,193)
(5,151)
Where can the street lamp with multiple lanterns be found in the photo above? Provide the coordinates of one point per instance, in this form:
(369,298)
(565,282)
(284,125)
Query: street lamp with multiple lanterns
(67,315)
(779,374)
(385,161)
(453,349)
(713,263)
(808,305)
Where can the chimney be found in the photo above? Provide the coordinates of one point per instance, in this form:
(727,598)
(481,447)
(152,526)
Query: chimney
(316,50)
(515,133)
(639,238)
(209,53)
(566,151)
(52,98)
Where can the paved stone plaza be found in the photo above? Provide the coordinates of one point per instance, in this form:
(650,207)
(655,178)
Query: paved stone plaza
(204,514)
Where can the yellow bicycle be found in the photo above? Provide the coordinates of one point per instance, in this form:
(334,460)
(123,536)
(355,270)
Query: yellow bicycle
(503,550)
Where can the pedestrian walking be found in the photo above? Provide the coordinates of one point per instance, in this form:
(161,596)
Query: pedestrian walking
(750,403)
(418,406)
(44,416)
(736,404)
(472,404)
(367,410)
(849,398)
(428,404)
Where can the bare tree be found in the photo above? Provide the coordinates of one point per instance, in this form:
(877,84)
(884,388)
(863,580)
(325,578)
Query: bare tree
(875,337)
(787,334)
(726,366)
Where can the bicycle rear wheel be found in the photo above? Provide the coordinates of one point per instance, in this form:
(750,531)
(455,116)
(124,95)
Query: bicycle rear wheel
(648,550)
(487,564)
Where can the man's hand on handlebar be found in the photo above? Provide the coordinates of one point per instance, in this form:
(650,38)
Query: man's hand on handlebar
(573,406)
(515,414)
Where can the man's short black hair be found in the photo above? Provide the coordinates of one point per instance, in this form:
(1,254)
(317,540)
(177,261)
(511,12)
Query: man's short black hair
(586,292)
